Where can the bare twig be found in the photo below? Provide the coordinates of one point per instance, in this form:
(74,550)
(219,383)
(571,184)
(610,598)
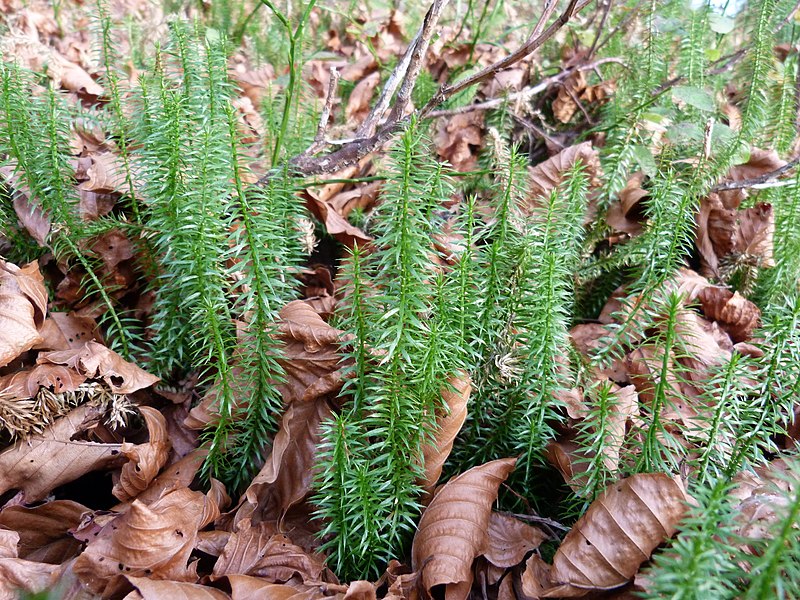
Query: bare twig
(606,10)
(325,115)
(404,78)
(525,93)
(536,130)
(762,181)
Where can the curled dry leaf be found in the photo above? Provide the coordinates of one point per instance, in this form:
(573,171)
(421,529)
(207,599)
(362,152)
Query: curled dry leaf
(46,461)
(246,587)
(149,589)
(154,541)
(455,397)
(144,460)
(23,306)
(256,550)
(617,533)
(63,331)
(20,575)
(311,359)
(458,139)
(358,104)
(454,529)
(42,530)
(626,215)
(106,174)
(285,478)
(546,176)
(335,224)
(95,361)
(510,540)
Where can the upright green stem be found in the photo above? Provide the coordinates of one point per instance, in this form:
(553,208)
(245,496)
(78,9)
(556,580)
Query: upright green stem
(291,89)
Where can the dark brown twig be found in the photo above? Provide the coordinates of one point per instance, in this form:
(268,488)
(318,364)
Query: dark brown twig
(353,150)
(325,115)
(766,180)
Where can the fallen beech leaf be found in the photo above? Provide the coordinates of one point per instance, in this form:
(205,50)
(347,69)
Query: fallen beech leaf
(510,540)
(8,543)
(358,104)
(245,587)
(569,460)
(455,396)
(547,176)
(335,224)
(256,550)
(26,384)
(46,461)
(144,460)
(96,361)
(617,533)
(150,589)
(454,528)
(20,575)
(176,476)
(106,174)
(30,215)
(72,77)
(626,215)
(285,478)
(23,305)
(154,541)
(62,331)
(311,360)
(459,138)
(42,530)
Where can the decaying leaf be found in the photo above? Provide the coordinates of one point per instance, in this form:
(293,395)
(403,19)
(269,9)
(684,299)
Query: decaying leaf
(46,461)
(546,176)
(617,533)
(95,361)
(455,397)
(736,314)
(153,541)
(246,587)
(18,574)
(149,589)
(459,138)
(454,528)
(42,530)
(358,104)
(255,549)
(62,331)
(285,478)
(335,224)
(144,460)
(510,540)
(23,306)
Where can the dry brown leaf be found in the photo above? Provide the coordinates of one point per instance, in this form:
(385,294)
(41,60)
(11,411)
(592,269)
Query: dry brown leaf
(95,361)
(23,306)
(26,384)
(256,550)
(176,476)
(626,215)
(617,533)
(453,530)
(246,587)
(455,397)
(149,589)
(42,530)
(510,540)
(62,331)
(569,460)
(18,574)
(144,460)
(335,224)
(459,138)
(154,541)
(588,339)
(546,176)
(46,461)
(358,104)
(285,478)
(72,77)
(106,174)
